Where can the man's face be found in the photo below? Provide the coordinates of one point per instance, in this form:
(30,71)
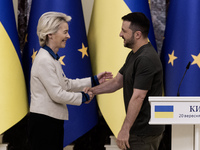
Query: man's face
(127,34)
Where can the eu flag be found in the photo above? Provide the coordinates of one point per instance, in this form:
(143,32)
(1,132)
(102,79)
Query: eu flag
(75,60)
(13,98)
(181,46)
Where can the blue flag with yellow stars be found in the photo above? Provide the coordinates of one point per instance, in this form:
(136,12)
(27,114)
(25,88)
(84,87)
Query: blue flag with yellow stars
(13,97)
(181,46)
(75,60)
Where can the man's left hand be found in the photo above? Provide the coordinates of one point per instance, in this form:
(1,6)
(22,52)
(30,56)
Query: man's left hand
(123,140)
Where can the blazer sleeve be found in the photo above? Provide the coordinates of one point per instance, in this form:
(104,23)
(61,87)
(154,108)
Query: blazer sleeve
(49,78)
(77,85)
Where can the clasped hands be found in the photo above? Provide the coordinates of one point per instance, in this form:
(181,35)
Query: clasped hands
(102,77)
(88,90)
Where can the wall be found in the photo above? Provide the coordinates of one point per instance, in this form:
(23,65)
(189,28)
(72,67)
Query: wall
(87,10)
(15,4)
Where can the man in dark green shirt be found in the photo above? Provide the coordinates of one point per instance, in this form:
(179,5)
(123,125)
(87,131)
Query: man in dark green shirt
(140,77)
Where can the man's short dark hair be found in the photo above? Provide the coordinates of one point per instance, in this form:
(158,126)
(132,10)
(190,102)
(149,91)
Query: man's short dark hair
(139,22)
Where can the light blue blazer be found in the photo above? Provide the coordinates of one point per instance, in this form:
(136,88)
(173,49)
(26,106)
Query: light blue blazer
(51,90)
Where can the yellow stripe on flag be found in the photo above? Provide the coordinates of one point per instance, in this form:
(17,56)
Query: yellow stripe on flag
(13,98)
(108,54)
(164,114)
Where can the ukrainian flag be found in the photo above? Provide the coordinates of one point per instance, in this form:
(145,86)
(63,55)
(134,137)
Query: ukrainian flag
(13,98)
(164,111)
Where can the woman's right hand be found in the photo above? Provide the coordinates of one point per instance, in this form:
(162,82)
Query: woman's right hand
(89,92)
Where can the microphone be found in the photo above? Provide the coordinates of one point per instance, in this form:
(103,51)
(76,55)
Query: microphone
(187,67)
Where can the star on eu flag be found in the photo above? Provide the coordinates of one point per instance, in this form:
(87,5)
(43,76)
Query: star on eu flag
(83,50)
(196,60)
(172,58)
(34,55)
(61,60)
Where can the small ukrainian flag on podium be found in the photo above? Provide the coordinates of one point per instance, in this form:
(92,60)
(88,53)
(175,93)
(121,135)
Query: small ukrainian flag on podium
(164,111)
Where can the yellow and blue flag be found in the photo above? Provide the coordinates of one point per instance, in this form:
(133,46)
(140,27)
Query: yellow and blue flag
(181,46)
(13,97)
(108,52)
(75,60)
(164,111)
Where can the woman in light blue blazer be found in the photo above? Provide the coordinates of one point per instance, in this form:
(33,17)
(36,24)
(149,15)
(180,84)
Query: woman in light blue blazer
(51,90)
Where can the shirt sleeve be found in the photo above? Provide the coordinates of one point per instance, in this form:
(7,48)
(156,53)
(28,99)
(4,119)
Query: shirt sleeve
(94,81)
(85,97)
(144,73)
(121,71)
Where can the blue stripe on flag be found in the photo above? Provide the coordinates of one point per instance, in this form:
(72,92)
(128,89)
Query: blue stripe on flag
(10,24)
(164,108)
(143,6)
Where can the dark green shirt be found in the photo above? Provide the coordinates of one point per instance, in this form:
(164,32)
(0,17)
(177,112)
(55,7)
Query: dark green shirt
(143,70)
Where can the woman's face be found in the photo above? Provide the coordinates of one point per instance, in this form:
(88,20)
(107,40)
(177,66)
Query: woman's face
(60,37)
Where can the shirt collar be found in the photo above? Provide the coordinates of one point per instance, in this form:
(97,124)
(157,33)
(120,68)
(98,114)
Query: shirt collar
(55,56)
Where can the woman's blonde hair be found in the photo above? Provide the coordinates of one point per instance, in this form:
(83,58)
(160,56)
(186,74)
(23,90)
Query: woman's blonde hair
(49,23)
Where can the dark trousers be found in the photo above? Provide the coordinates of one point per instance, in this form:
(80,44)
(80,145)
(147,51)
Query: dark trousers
(144,142)
(45,133)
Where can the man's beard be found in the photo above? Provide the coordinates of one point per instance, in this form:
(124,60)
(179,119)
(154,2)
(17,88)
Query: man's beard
(129,43)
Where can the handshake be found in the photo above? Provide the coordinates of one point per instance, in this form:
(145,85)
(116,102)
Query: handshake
(102,78)
(89,91)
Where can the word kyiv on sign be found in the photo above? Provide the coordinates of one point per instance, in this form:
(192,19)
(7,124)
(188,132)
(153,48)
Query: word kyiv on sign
(194,108)
(175,110)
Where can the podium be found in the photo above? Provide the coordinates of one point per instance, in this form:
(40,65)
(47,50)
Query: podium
(183,113)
